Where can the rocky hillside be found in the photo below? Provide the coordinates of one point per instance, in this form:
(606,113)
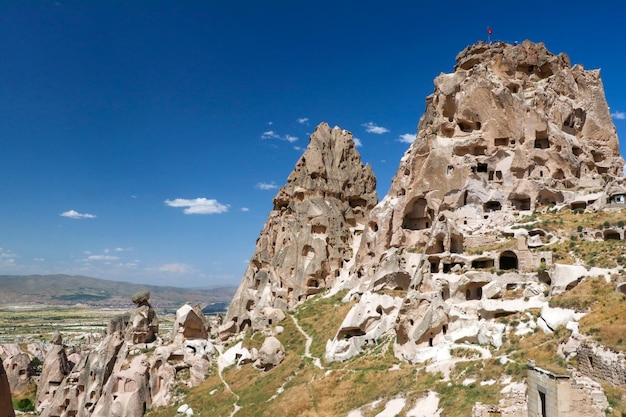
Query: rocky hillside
(490,280)
(73,289)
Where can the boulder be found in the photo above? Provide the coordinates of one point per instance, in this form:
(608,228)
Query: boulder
(190,323)
(271,354)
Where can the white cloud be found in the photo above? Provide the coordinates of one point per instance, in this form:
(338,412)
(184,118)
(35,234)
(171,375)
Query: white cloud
(39,259)
(291,139)
(119,249)
(175,268)
(198,205)
(270,134)
(357,142)
(73,214)
(298,148)
(303,120)
(406,138)
(371,127)
(270,123)
(619,115)
(245,209)
(102,258)
(266,186)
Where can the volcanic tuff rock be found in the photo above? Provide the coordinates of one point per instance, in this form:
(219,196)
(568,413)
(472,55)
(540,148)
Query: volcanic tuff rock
(308,236)
(6,405)
(514,129)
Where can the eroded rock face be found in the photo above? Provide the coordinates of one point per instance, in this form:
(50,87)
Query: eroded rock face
(143,323)
(308,235)
(513,129)
(6,404)
(190,323)
(271,354)
(19,372)
(56,367)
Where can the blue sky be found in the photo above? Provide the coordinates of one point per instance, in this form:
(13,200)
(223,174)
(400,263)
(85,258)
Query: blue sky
(144,141)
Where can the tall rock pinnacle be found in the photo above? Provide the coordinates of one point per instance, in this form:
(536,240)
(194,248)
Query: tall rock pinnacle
(513,128)
(308,235)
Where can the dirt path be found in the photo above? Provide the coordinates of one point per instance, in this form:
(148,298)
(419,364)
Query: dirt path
(307,347)
(236,406)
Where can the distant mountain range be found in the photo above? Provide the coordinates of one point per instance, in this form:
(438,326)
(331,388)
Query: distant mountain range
(75,289)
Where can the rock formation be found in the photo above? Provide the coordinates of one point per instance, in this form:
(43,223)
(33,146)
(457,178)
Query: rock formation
(271,354)
(55,368)
(19,372)
(6,405)
(189,324)
(143,322)
(514,129)
(310,233)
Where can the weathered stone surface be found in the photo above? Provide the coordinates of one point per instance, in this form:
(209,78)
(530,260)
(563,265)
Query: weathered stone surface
(271,354)
(79,392)
(190,324)
(308,235)
(513,129)
(56,367)
(143,323)
(141,297)
(372,317)
(6,404)
(601,363)
(19,372)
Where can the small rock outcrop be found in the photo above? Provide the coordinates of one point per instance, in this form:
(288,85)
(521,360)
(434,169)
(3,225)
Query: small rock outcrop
(189,324)
(310,233)
(143,324)
(19,372)
(6,404)
(271,354)
(56,367)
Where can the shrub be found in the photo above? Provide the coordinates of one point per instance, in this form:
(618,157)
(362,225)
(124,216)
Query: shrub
(25,405)
(579,228)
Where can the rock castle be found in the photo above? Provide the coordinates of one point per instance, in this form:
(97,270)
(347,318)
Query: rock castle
(512,131)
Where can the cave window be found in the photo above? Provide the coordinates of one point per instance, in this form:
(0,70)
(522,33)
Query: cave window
(445,293)
(449,170)
(482,263)
(491,175)
(611,235)
(501,141)
(508,260)
(481,168)
(430,342)
(446,268)
(543,143)
(492,206)
(434,266)
(521,203)
(444,328)
(576,151)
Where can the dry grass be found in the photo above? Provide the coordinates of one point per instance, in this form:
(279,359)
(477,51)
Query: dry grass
(605,321)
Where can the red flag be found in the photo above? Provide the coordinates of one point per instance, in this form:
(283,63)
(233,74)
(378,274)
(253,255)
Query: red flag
(489,31)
